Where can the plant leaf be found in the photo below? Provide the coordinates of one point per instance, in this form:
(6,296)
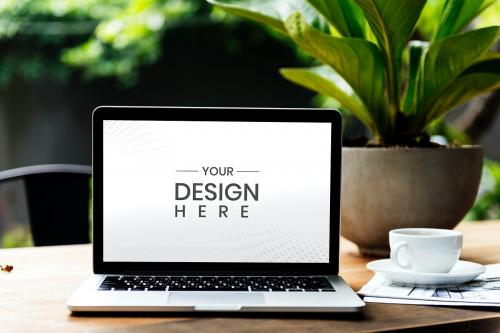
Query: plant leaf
(392,22)
(344,15)
(417,50)
(449,57)
(358,61)
(457,14)
(480,78)
(272,13)
(488,55)
(326,81)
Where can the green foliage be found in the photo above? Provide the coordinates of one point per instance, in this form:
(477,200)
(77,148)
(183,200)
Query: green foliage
(487,205)
(449,63)
(344,15)
(102,38)
(122,43)
(449,132)
(392,22)
(358,61)
(395,96)
(456,14)
(19,236)
(325,80)
(416,50)
(489,16)
(435,23)
(273,13)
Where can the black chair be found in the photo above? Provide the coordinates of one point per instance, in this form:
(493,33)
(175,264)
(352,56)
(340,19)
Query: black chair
(58,201)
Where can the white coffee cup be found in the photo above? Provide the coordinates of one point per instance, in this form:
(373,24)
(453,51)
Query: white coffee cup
(425,250)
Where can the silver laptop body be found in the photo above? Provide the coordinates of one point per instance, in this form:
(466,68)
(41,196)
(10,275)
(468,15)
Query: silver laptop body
(215,209)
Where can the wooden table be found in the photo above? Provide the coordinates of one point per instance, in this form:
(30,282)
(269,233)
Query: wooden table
(32,298)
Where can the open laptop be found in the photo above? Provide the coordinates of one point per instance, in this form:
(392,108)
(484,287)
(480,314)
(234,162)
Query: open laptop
(216,209)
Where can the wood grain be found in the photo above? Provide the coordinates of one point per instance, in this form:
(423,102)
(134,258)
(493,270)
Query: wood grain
(32,298)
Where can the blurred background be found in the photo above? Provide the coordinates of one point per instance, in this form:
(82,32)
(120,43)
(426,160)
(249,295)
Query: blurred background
(59,59)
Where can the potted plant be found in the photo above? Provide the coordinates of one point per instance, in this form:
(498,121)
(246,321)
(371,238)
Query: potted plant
(396,88)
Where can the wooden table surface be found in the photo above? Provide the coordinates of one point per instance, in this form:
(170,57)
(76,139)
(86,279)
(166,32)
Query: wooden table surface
(32,298)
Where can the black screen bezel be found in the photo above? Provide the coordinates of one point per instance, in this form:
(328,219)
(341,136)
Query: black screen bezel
(214,114)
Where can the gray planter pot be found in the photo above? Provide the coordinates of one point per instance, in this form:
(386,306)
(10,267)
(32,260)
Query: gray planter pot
(389,188)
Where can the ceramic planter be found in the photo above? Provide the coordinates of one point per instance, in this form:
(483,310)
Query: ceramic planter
(389,188)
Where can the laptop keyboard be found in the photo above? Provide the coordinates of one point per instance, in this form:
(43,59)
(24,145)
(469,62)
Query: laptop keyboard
(216,283)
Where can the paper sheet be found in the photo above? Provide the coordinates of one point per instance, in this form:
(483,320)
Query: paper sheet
(422,302)
(483,291)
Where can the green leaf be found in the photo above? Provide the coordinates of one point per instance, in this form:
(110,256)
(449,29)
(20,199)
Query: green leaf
(417,51)
(326,81)
(272,13)
(392,22)
(488,55)
(457,14)
(480,78)
(449,57)
(358,61)
(344,15)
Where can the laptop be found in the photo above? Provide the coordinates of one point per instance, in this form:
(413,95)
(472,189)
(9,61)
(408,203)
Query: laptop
(215,209)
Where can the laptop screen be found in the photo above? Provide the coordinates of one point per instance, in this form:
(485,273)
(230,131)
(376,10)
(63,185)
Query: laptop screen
(215,191)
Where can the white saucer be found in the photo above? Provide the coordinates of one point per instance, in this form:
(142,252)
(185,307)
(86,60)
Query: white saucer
(462,272)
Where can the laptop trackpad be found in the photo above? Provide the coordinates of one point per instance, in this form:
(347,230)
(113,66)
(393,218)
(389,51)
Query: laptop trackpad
(214,299)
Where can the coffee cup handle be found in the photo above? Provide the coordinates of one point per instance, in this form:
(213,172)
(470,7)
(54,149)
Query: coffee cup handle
(395,255)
